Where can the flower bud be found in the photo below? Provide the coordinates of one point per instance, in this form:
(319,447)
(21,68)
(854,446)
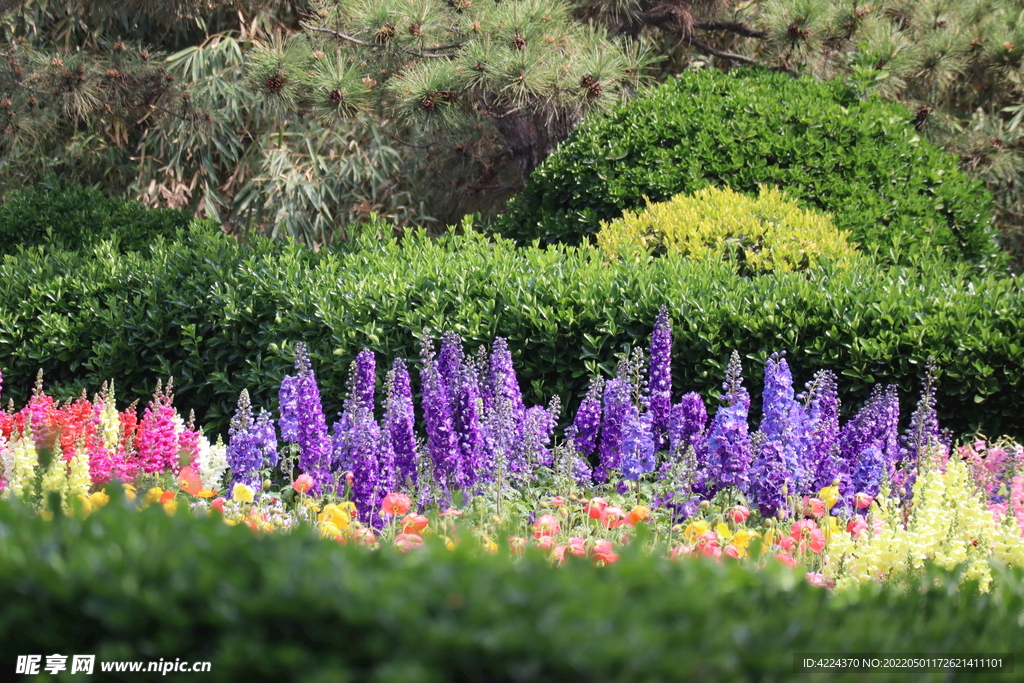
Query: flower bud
(704,505)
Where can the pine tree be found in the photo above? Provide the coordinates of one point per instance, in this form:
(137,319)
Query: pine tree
(525,68)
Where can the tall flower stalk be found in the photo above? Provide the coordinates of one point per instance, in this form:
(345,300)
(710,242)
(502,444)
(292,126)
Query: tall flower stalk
(302,421)
(660,386)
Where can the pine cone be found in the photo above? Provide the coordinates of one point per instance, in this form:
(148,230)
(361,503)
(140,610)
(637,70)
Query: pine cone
(274,84)
(587,81)
(920,116)
(447,96)
(594,91)
(386,32)
(428,104)
(795,30)
(519,42)
(415,29)
(335,97)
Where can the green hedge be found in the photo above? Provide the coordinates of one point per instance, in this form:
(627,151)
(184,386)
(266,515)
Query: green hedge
(145,586)
(221,317)
(861,161)
(68,217)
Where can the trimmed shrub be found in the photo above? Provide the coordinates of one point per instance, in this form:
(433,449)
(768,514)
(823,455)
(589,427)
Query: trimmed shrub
(761,235)
(68,217)
(861,161)
(221,317)
(292,607)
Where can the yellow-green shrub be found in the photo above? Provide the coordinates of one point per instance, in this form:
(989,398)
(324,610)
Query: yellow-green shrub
(763,234)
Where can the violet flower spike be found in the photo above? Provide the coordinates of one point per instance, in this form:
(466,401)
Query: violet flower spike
(618,411)
(588,419)
(442,442)
(729,455)
(660,385)
(400,422)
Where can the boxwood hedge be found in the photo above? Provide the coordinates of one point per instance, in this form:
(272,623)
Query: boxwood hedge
(861,161)
(148,586)
(69,217)
(219,317)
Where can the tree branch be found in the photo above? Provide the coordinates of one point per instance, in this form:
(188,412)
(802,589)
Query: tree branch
(343,36)
(707,49)
(336,34)
(737,27)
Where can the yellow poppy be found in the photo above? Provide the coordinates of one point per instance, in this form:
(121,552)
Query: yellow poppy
(336,516)
(243,493)
(741,539)
(829,494)
(695,530)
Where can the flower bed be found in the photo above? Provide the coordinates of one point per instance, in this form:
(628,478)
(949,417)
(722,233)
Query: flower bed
(850,504)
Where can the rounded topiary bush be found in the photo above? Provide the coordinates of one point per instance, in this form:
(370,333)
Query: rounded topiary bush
(861,161)
(764,234)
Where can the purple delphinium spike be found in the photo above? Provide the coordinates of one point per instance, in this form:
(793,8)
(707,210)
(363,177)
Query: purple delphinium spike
(341,447)
(400,424)
(442,441)
(660,385)
(868,437)
(265,435)
(466,421)
(637,455)
(366,485)
(618,410)
(364,381)
(768,477)
(588,419)
(786,422)
(728,439)
(289,409)
(243,453)
(922,436)
(823,410)
(532,451)
(450,361)
(582,473)
(310,427)
(866,476)
(503,380)
(891,432)
(502,436)
(687,419)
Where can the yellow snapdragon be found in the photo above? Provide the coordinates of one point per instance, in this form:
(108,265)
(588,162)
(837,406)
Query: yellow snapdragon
(79,480)
(24,461)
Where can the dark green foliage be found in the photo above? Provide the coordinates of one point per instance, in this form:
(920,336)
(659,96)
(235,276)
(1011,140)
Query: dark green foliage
(292,607)
(221,317)
(861,161)
(67,217)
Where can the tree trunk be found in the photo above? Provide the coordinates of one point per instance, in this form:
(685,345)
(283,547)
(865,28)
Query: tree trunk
(529,136)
